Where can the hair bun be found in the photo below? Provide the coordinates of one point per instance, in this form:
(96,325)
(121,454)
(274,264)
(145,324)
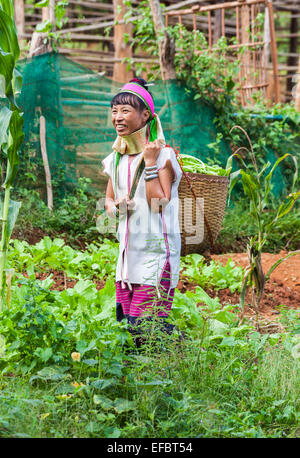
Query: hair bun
(141,82)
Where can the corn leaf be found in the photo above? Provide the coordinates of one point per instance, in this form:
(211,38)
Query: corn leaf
(7,63)
(5,116)
(13,211)
(15,140)
(8,7)
(8,36)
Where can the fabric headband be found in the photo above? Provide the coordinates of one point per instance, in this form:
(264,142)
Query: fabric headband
(143,94)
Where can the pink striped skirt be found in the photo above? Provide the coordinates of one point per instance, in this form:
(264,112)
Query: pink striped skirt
(142,300)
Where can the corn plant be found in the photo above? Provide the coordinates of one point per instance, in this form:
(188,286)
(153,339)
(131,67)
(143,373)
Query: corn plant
(11,123)
(257,187)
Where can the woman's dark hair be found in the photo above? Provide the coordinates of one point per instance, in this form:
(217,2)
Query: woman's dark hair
(126,98)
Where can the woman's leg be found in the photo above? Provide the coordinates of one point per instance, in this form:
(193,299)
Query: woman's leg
(123,301)
(145,301)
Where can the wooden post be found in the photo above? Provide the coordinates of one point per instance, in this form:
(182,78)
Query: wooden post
(297,95)
(246,57)
(274,52)
(217,30)
(122,50)
(52,14)
(166,45)
(292,58)
(45,162)
(19,17)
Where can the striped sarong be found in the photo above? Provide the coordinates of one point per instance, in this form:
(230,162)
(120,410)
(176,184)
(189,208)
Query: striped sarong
(142,300)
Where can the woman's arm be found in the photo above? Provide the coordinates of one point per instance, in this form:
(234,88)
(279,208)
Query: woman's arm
(111,205)
(110,199)
(158,190)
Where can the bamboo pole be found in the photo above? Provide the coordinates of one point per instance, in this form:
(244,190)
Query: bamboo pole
(45,162)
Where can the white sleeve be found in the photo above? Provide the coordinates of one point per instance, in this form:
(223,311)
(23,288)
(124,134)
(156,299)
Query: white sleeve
(166,154)
(107,164)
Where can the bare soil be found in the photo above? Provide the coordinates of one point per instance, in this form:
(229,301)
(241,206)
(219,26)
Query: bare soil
(283,288)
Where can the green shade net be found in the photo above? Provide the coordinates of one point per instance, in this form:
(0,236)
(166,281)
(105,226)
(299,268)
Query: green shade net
(75,102)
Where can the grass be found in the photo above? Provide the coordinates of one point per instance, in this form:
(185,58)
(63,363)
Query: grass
(182,390)
(222,380)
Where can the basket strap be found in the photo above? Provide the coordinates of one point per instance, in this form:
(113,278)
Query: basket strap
(193,192)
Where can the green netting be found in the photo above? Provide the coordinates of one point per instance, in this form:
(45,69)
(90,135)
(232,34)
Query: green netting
(75,102)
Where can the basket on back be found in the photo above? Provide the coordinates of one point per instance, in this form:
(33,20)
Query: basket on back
(213,190)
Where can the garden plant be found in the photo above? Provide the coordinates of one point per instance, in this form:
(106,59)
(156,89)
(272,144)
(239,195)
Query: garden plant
(67,368)
(11,133)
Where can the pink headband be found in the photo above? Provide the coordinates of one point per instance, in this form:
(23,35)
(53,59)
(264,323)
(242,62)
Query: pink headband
(139,91)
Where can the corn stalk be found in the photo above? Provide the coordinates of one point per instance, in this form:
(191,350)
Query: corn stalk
(11,133)
(257,187)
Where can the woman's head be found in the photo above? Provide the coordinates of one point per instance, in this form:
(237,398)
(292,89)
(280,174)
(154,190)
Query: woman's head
(130,112)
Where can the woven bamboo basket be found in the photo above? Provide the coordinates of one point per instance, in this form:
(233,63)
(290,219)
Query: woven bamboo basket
(208,213)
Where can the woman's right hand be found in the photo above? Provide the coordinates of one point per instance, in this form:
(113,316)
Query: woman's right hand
(124,203)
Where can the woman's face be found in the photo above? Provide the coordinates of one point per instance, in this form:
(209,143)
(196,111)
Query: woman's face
(127,119)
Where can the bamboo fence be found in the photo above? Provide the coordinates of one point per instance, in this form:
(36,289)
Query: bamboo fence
(91,37)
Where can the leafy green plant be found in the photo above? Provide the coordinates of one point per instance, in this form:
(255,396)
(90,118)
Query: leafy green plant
(213,274)
(11,122)
(60,20)
(195,165)
(257,187)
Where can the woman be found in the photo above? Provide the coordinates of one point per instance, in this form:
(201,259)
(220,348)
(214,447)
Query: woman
(142,192)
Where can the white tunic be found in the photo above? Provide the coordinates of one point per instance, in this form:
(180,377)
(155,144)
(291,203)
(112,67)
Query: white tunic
(148,240)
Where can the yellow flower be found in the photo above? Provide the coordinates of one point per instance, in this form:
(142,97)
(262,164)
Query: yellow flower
(45,415)
(75,356)
(76,384)
(64,396)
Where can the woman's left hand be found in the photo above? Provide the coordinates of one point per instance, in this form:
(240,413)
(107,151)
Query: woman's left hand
(151,153)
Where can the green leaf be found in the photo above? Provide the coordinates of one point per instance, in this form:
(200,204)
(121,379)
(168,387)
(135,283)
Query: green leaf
(123,405)
(8,35)
(5,116)
(13,211)
(103,401)
(279,261)
(8,7)
(7,63)
(44,27)
(17,82)
(101,384)
(15,140)
(42,4)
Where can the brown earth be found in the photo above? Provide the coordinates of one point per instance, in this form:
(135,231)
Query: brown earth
(282,290)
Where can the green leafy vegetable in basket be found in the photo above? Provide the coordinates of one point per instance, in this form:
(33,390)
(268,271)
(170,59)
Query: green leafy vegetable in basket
(195,165)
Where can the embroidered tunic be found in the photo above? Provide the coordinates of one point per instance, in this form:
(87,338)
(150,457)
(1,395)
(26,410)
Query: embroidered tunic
(148,240)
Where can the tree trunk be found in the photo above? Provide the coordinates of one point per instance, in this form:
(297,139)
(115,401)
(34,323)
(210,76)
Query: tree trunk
(166,45)
(37,45)
(122,49)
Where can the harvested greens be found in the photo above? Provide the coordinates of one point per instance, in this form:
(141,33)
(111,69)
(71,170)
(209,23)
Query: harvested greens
(195,165)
